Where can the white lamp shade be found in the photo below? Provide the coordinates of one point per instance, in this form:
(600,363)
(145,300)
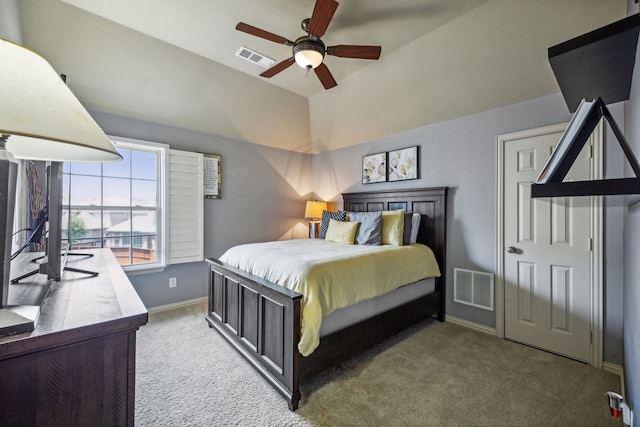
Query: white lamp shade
(308,58)
(44,119)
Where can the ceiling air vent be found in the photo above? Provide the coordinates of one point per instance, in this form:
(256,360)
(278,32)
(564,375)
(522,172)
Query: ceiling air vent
(255,57)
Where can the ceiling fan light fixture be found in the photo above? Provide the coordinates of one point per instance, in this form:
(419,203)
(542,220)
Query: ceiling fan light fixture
(309,50)
(308,53)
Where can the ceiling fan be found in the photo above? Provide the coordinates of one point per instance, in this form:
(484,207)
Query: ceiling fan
(309,50)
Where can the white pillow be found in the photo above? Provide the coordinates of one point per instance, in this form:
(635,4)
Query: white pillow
(415,225)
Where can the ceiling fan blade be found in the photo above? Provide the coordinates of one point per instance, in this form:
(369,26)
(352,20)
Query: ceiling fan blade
(325,76)
(254,31)
(321,17)
(281,66)
(353,51)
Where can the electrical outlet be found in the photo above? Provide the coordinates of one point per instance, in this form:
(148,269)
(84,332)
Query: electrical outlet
(173,282)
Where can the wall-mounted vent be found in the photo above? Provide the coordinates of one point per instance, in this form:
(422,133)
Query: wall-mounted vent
(255,57)
(473,288)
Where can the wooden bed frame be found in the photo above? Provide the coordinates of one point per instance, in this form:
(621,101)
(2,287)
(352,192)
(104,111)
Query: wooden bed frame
(262,320)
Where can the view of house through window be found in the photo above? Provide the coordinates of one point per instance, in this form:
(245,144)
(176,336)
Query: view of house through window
(116,205)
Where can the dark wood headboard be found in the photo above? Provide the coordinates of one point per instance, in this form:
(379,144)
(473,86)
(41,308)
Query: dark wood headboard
(430,203)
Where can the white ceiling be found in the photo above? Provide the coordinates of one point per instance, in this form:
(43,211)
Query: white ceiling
(207,28)
(173,62)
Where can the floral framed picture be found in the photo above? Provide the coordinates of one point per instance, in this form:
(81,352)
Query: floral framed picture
(374,168)
(404,164)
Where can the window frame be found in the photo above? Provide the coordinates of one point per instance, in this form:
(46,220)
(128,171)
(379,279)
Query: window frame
(162,150)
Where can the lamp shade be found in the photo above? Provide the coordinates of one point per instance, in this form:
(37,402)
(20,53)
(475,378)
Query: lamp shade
(43,118)
(314,209)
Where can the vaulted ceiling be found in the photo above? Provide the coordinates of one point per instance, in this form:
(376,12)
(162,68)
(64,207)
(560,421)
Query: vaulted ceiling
(174,62)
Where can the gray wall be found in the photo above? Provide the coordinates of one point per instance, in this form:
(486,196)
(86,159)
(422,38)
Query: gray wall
(461,154)
(263,197)
(10,21)
(631,298)
(264,189)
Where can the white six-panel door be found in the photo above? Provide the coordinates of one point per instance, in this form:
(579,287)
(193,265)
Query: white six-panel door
(547,252)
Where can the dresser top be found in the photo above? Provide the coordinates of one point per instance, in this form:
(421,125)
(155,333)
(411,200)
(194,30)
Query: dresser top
(78,306)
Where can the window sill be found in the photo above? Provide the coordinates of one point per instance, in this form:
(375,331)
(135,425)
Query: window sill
(134,270)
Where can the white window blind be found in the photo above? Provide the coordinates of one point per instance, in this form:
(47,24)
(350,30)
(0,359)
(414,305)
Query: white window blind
(186,207)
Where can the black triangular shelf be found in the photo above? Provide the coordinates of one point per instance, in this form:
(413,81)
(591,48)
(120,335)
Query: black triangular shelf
(597,64)
(586,118)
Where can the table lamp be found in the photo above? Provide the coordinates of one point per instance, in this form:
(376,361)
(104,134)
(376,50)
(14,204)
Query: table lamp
(313,211)
(40,119)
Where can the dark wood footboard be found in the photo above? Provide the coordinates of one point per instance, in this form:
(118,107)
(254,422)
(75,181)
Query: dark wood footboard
(262,320)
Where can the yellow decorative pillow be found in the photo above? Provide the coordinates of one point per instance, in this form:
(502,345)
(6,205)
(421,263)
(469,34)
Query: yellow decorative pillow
(392,227)
(342,231)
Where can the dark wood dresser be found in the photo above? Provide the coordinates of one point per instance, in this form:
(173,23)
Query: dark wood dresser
(78,366)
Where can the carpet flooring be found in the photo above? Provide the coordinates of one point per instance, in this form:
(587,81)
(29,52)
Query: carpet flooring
(433,374)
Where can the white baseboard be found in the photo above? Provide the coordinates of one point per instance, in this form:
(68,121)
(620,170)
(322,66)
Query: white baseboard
(177,305)
(612,368)
(616,370)
(471,325)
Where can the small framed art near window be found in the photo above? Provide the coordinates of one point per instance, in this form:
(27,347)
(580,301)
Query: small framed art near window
(374,168)
(212,176)
(404,164)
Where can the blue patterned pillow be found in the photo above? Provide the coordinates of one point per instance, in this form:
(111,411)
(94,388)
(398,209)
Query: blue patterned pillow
(326,216)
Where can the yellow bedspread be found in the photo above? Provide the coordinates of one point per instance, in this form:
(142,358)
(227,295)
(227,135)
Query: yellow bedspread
(332,275)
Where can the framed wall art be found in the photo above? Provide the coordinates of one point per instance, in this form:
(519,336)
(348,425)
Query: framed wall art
(212,176)
(374,168)
(404,164)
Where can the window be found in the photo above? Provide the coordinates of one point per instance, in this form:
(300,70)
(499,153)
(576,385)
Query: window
(118,205)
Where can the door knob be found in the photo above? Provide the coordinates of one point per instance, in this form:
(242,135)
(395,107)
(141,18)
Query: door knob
(512,250)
